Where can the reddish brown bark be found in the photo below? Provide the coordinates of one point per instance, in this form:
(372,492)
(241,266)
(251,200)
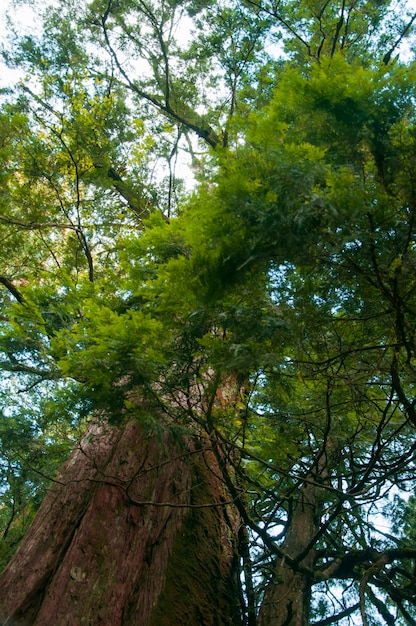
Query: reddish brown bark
(133,533)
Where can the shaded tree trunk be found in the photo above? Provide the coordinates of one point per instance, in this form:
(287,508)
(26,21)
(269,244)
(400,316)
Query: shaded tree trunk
(286,601)
(135,530)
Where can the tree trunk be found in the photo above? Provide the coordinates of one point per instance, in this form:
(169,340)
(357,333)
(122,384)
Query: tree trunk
(286,601)
(135,531)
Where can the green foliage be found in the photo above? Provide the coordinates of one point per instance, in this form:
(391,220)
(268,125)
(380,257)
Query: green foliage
(273,310)
(111,353)
(36,435)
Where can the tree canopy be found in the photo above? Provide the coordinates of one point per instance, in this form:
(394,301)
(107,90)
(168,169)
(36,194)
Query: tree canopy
(271,304)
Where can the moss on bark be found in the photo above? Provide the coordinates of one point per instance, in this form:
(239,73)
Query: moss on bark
(203,589)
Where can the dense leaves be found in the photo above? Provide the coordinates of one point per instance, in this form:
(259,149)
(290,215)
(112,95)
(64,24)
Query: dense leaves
(272,308)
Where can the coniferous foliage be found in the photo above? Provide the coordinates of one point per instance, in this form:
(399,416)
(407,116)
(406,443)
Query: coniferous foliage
(257,332)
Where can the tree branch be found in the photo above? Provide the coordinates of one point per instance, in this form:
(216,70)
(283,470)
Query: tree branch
(203,131)
(343,567)
(36,225)
(335,619)
(387,56)
(13,290)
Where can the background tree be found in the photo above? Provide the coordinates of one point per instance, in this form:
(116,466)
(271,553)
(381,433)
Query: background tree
(244,355)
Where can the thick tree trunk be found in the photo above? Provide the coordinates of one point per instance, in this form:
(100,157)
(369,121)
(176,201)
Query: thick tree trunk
(133,532)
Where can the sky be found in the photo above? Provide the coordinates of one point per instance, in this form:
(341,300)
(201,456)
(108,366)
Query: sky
(26,18)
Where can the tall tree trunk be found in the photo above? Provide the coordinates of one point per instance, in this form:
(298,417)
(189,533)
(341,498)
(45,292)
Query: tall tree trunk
(135,531)
(286,601)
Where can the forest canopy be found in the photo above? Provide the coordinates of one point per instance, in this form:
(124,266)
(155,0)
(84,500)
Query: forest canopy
(207,215)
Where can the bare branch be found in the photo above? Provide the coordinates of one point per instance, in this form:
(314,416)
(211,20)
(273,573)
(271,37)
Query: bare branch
(36,225)
(335,619)
(388,55)
(11,287)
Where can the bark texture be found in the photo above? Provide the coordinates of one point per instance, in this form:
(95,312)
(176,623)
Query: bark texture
(287,599)
(133,532)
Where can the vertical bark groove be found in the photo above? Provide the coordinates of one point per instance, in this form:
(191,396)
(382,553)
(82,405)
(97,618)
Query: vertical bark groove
(96,555)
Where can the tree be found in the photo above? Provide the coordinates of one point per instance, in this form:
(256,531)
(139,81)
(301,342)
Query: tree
(243,356)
